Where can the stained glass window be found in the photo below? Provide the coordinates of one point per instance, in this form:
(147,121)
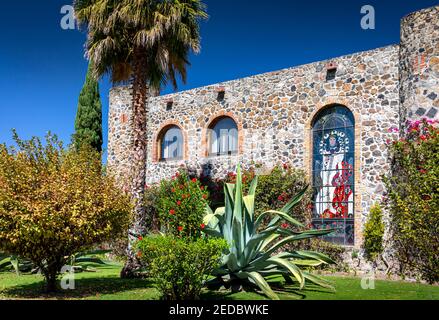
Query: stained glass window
(333,173)
(172,144)
(223,137)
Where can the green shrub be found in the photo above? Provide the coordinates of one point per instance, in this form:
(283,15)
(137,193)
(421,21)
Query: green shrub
(374,233)
(275,189)
(55,202)
(413,199)
(182,203)
(180,267)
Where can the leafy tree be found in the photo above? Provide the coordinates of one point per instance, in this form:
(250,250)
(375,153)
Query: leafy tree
(55,202)
(88,123)
(145,42)
(413,199)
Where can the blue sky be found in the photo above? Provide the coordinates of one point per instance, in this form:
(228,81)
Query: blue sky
(42,66)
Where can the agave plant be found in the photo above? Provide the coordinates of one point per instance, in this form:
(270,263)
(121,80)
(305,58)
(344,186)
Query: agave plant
(254,249)
(13,262)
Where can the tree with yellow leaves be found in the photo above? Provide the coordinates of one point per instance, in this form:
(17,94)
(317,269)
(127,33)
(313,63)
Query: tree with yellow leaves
(56,201)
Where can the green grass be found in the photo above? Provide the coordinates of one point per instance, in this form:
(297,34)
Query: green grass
(105,284)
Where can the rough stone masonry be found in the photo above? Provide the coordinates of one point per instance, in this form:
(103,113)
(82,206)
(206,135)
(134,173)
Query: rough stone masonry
(274,112)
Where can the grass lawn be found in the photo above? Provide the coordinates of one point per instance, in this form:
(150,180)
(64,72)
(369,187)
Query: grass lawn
(105,284)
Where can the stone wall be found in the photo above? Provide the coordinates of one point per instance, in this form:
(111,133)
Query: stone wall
(274,113)
(419,64)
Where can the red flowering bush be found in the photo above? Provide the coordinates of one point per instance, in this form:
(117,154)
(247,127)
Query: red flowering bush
(413,200)
(182,204)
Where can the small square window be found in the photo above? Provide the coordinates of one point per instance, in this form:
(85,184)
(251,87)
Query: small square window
(330,74)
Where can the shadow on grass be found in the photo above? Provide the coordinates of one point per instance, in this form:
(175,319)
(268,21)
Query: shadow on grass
(285,292)
(84,287)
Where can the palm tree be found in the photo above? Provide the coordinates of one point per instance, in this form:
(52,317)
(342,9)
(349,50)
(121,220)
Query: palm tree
(146,43)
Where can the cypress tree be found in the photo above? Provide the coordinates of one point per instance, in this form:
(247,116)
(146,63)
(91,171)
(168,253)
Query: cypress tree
(88,123)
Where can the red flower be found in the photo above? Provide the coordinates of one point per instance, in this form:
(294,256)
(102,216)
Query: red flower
(181,186)
(423,137)
(178,202)
(280,198)
(284,225)
(204,196)
(202,226)
(140,238)
(139,254)
(180,228)
(202,188)
(310,206)
(194,180)
(423,171)
(177,174)
(173,190)
(172,212)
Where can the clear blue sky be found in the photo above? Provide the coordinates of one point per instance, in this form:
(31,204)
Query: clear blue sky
(42,67)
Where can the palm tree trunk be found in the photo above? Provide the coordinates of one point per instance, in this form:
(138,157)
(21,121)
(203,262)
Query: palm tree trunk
(138,159)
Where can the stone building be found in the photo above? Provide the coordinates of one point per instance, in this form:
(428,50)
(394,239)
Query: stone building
(331,118)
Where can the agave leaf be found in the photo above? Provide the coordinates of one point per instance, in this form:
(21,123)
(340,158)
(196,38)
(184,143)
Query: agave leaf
(232,262)
(5,263)
(316,255)
(253,245)
(253,186)
(290,205)
(229,190)
(318,281)
(238,212)
(208,210)
(14,262)
(278,216)
(237,235)
(212,232)
(211,220)
(283,242)
(219,212)
(260,282)
(267,241)
(295,200)
(249,204)
(89,260)
(309,263)
(295,271)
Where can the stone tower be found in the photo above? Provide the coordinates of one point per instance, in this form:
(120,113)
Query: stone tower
(419,65)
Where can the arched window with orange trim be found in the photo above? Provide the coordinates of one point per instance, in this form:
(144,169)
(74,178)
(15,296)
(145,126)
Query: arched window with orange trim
(223,137)
(171,144)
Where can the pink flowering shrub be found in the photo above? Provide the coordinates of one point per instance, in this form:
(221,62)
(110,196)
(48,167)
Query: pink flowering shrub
(412,198)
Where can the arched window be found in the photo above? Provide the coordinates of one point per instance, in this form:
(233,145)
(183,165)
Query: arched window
(333,173)
(171,144)
(223,137)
